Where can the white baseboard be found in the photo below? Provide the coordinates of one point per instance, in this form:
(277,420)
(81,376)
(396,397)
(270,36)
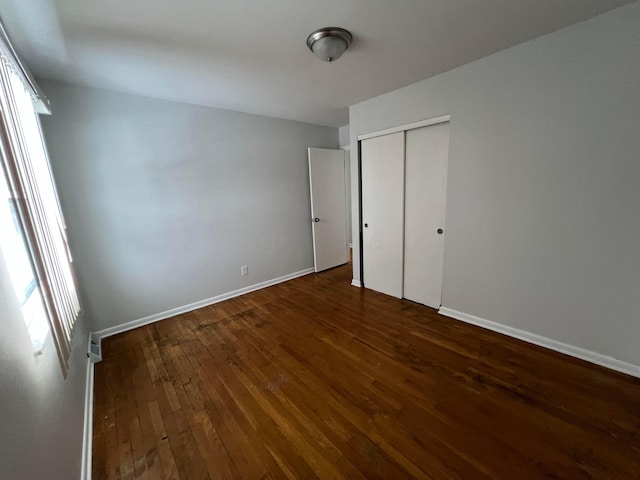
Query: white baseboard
(356,283)
(87,434)
(107,332)
(581,353)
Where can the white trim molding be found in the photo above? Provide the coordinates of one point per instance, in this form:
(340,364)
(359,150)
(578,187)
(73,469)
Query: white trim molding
(408,126)
(124,327)
(573,351)
(356,283)
(87,433)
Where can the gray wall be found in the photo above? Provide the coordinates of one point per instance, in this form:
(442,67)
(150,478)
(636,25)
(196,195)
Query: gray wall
(347,180)
(543,204)
(343,135)
(41,413)
(166,201)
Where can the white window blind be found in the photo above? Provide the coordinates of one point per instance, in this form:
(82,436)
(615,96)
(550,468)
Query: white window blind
(29,177)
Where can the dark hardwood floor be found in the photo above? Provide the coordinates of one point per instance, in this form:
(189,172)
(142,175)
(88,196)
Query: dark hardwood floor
(314,378)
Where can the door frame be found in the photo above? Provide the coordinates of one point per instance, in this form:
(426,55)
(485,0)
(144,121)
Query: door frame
(378,133)
(408,126)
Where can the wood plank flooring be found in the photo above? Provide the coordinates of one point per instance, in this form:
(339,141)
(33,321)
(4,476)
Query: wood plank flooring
(314,378)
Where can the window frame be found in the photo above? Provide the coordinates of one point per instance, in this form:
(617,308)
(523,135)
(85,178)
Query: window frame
(50,257)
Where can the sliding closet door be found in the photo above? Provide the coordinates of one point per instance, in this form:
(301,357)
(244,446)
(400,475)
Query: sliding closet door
(427,152)
(383,212)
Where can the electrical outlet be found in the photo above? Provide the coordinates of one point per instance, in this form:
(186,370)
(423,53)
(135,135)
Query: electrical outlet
(244,270)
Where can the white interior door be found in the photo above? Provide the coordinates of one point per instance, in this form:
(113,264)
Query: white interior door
(427,153)
(328,207)
(383,212)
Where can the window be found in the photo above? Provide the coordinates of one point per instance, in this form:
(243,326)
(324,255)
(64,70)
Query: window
(16,256)
(34,242)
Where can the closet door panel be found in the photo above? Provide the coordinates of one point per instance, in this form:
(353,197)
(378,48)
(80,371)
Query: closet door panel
(427,153)
(383,213)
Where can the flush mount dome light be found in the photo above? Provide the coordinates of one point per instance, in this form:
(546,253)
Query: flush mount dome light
(329,43)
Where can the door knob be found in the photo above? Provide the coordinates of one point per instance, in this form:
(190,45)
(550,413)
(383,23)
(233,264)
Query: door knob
(366,225)
(440,231)
(316,219)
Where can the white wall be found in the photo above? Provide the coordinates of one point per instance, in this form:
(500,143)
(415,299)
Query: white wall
(165,201)
(41,413)
(543,204)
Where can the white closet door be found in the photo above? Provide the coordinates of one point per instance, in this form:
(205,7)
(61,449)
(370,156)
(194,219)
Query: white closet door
(427,153)
(383,212)
(328,208)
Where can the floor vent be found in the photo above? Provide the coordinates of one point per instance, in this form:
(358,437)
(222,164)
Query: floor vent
(95,349)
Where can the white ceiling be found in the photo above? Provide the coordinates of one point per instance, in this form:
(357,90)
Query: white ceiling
(251,56)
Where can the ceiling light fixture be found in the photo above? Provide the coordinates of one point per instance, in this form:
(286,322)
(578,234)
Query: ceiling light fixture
(329,43)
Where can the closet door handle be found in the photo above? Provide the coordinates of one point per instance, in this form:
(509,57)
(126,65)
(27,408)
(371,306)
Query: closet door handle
(440,231)
(366,225)
(316,219)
